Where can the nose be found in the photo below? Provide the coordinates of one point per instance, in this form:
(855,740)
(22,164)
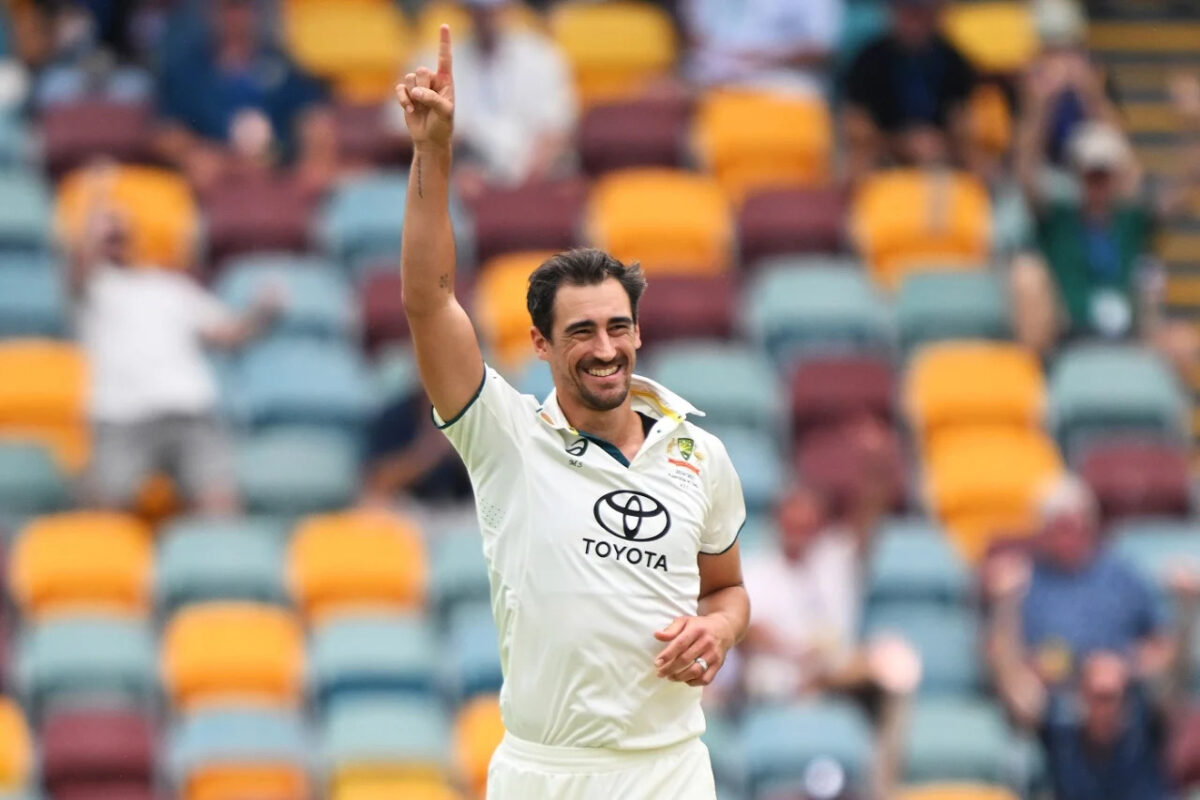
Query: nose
(604,349)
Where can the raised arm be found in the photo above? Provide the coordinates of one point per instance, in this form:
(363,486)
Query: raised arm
(448,355)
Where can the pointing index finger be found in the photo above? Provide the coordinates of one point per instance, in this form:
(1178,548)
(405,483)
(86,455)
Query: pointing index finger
(445,58)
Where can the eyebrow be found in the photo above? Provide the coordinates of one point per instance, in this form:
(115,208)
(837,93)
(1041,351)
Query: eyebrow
(587,324)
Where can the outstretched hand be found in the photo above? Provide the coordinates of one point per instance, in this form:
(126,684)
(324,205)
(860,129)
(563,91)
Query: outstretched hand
(428,98)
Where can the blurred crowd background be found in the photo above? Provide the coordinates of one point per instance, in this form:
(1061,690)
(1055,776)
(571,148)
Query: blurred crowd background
(931,268)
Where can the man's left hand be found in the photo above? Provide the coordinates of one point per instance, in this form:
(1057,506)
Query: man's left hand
(707,637)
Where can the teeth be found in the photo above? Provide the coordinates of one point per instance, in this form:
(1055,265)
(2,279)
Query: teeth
(602,373)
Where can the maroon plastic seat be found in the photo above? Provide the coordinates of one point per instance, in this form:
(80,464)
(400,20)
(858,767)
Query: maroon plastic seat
(256,213)
(365,138)
(687,307)
(1133,478)
(1183,749)
(115,790)
(836,461)
(383,309)
(72,133)
(634,133)
(830,390)
(537,216)
(782,221)
(101,748)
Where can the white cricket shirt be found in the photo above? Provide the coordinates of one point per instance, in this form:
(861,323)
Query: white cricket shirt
(588,556)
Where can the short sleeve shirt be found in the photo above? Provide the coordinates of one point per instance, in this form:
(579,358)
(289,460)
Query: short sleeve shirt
(589,555)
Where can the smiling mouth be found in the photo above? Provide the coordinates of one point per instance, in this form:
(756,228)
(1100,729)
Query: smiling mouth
(603,372)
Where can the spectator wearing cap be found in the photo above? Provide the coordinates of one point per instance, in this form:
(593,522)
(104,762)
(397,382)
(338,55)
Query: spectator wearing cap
(515,104)
(765,44)
(214,84)
(907,93)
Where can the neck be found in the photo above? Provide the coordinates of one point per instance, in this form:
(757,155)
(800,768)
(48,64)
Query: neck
(620,426)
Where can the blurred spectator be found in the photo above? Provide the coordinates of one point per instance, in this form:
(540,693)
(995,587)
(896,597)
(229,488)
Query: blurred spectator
(774,44)
(1090,278)
(907,93)
(1076,598)
(807,595)
(406,454)
(153,395)
(515,107)
(207,87)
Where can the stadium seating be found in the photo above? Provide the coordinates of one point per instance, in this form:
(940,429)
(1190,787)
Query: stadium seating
(24,212)
(86,659)
(158,204)
(947,639)
(382,313)
(775,222)
(358,45)
(956,791)
(760,140)
(308,383)
(215,652)
(1157,547)
(201,560)
(671,221)
(43,396)
(935,305)
(499,306)
(905,220)
(542,215)
(373,654)
(317,301)
(246,214)
(638,132)
(954,384)
(74,133)
(33,300)
(996,36)
(913,564)
(15,143)
(232,753)
(366,138)
(459,572)
(756,456)
(474,667)
(1099,391)
(1136,478)
(782,741)
(296,471)
(88,752)
(402,736)
(959,739)
(385,788)
(16,748)
(478,730)
(829,391)
(748,394)
(615,49)
(797,308)
(688,307)
(833,462)
(62,563)
(355,561)
(31,483)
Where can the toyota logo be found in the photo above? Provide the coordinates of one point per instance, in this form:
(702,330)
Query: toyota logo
(634,516)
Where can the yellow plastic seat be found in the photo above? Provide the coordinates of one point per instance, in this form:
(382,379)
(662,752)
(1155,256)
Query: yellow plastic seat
(357,560)
(43,397)
(906,219)
(258,781)
(216,651)
(990,119)
(435,13)
(672,221)
(477,732)
(983,482)
(500,308)
(956,791)
(997,37)
(360,46)
(392,788)
(973,382)
(16,748)
(82,560)
(615,48)
(761,140)
(162,214)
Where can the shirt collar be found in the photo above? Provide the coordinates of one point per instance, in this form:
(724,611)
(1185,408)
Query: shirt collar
(647,396)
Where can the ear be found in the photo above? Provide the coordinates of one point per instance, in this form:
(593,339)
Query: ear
(541,345)
(637,336)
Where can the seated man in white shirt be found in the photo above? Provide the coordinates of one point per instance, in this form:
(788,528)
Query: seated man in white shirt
(153,397)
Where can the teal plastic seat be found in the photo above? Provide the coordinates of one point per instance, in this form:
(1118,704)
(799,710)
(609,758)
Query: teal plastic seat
(317,300)
(760,466)
(25,212)
(373,654)
(395,376)
(33,301)
(732,384)
(86,658)
(459,572)
(1154,547)
(31,481)
(960,739)
(305,382)
(361,222)
(947,638)
(236,737)
(781,741)
(473,652)
(200,560)
(935,305)
(1097,391)
(294,471)
(385,731)
(15,141)
(722,737)
(912,561)
(793,311)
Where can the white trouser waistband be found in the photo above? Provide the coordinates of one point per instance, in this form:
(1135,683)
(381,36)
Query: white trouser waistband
(550,758)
